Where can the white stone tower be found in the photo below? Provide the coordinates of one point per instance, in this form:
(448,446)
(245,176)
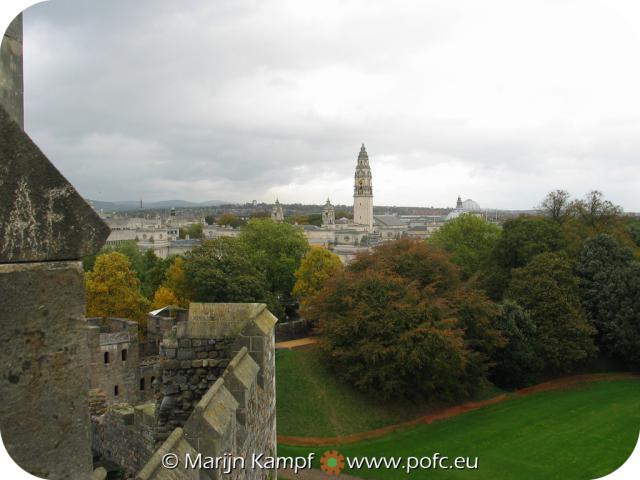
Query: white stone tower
(363,192)
(328,215)
(277,215)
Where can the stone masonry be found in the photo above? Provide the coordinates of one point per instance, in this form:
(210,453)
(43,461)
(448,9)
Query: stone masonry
(236,415)
(45,228)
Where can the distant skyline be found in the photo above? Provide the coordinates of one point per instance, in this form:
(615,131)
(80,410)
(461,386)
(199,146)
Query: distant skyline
(238,100)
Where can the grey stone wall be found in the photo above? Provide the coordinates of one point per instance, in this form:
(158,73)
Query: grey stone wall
(11,79)
(112,337)
(237,413)
(44,416)
(188,366)
(125,435)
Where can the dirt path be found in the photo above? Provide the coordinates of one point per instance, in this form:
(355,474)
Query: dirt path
(312,475)
(565,382)
(298,343)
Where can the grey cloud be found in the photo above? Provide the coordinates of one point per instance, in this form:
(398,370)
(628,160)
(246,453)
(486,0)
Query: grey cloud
(126,95)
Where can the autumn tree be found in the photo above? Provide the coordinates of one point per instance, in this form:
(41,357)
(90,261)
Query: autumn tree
(112,289)
(164,297)
(176,281)
(595,211)
(469,239)
(556,206)
(316,267)
(610,291)
(398,322)
(547,289)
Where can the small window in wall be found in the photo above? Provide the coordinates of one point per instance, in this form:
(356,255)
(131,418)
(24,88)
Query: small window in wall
(142,384)
(115,391)
(106,357)
(124,354)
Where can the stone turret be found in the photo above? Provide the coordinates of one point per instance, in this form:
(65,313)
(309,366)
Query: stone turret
(277,214)
(328,215)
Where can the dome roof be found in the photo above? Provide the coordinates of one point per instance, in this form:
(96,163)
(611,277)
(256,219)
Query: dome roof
(453,214)
(470,205)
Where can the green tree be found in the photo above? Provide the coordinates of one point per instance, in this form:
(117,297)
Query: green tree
(220,271)
(469,239)
(547,289)
(276,250)
(229,220)
(634,230)
(517,363)
(398,322)
(610,290)
(209,219)
(316,267)
(522,239)
(193,231)
(152,273)
(112,289)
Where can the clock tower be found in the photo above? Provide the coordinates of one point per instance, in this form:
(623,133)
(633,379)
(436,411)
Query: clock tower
(363,192)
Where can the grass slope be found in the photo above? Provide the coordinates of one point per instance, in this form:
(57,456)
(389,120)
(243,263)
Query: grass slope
(581,433)
(312,402)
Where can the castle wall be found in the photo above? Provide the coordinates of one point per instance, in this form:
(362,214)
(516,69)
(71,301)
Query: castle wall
(114,364)
(125,435)
(237,414)
(11,78)
(188,366)
(44,415)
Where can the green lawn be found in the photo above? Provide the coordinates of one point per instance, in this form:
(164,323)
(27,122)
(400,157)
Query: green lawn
(579,433)
(311,402)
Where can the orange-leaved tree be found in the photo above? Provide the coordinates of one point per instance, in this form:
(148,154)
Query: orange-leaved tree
(399,322)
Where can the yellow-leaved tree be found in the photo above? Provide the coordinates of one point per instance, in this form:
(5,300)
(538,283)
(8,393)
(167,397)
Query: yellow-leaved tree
(113,290)
(164,297)
(316,267)
(176,281)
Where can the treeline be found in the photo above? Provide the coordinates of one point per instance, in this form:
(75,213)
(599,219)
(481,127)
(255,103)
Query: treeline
(538,297)
(257,266)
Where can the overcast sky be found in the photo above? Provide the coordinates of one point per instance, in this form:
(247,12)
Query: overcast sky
(499,101)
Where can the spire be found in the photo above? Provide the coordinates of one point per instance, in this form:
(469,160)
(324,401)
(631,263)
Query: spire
(459,203)
(363,158)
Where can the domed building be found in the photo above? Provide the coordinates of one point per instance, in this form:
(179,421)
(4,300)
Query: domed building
(468,206)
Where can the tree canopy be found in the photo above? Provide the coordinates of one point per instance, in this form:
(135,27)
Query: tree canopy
(317,266)
(220,270)
(610,289)
(276,250)
(547,289)
(398,322)
(469,239)
(112,289)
